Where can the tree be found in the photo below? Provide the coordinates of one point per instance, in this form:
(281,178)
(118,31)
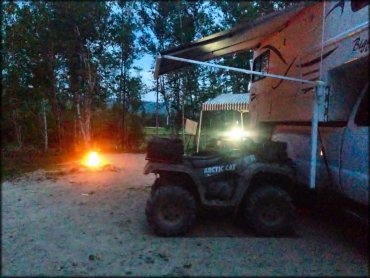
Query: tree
(65,63)
(85,26)
(123,30)
(239,12)
(171,24)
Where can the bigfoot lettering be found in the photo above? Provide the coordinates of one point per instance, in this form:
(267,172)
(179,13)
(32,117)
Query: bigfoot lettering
(361,45)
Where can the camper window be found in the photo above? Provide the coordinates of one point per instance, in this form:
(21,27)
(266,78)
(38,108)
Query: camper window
(261,63)
(362,116)
(358,4)
(346,83)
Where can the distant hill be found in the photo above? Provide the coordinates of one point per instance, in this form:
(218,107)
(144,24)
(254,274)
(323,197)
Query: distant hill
(147,106)
(150,106)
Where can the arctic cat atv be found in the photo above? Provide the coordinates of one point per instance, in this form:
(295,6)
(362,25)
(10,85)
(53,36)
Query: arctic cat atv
(257,184)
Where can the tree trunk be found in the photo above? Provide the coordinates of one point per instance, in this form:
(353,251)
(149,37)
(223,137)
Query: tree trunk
(87,105)
(177,104)
(87,120)
(165,98)
(90,79)
(156,111)
(46,140)
(74,88)
(123,141)
(124,107)
(17,128)
(80,121)
(75,136)
(123,89)
(54,100)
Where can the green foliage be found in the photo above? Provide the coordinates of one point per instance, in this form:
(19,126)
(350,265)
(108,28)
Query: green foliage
(78,57)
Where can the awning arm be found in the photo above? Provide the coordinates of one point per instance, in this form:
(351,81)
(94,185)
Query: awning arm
(236,69)
(320,87)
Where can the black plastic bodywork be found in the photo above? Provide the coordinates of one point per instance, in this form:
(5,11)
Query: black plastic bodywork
(216,170)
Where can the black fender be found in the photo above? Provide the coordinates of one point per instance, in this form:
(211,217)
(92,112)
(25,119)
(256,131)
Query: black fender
(157,168)
(255,168)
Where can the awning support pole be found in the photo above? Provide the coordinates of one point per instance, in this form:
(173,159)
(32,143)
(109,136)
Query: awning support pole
(240,70)
(199,129)
(183,123)
(314,132)
(320,87)
(241,120)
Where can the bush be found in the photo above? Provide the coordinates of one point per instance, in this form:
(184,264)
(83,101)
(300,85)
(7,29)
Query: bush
(135,134)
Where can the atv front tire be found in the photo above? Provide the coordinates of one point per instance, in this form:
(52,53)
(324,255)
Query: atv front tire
(270,211)
(171,211)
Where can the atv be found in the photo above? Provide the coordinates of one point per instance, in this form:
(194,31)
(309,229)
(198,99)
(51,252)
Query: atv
(252,181)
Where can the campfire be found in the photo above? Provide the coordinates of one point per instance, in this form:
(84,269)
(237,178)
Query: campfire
(93,160)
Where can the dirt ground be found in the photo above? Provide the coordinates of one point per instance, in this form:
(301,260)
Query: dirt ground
(74,222)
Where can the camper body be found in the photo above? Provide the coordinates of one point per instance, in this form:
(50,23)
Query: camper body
(309,92)
(335,50)
(311,48)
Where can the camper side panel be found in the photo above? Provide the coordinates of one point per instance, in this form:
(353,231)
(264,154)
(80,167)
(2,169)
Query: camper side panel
(297,51)
(345,69)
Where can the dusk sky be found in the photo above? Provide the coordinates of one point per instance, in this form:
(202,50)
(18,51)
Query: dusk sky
(146,63)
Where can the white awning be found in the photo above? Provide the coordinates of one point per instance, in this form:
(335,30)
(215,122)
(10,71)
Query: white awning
(242,37)
(238,102)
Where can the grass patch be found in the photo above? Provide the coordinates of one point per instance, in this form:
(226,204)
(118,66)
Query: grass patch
(17,162)
(152,131)
(189,143)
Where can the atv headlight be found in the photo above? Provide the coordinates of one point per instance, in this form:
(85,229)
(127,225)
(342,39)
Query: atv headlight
(237,134)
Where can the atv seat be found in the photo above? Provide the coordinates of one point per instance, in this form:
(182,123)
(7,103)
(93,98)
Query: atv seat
(204,161)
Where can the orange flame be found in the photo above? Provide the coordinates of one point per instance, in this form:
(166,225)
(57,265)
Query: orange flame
(93,160)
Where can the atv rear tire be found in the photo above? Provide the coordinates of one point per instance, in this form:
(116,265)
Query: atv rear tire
(171,211)
(270,211)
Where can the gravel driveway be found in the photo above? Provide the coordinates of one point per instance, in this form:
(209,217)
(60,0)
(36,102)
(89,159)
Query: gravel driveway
(73,222)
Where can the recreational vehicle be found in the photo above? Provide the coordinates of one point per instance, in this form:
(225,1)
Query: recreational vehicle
(329,42)
(308,91)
